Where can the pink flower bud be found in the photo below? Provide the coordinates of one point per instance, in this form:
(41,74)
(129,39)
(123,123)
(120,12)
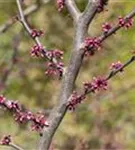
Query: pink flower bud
(125,22)
(36,33)
(116,66)
(6,140)
(60,4)
(106,27)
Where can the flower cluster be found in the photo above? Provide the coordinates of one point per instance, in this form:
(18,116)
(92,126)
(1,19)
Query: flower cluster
(6,140)
(97,84)
(74,100)
(116,66)
(36,33)
(38,120)
(88,87)
(125,22)
(54,69)
(92,43)
(23,117)
(106,27)
(101,5)
(56,53)
(36,50)
(60,4)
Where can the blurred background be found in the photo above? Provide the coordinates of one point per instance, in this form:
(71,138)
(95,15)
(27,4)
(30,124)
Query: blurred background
(105,120)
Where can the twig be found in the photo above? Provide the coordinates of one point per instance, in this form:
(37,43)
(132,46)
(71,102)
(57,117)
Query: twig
(113,73)
(31,9)
(29,31)
(16,147)
(116,27)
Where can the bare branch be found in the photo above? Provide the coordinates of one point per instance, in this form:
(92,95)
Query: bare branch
(16,147)
(31,9)
(24,23)
(73,9)
(21,17)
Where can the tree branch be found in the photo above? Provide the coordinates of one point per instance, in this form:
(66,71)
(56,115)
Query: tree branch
(103,36)
(90,11)
(29,31)
(73,9)
(75,62)
(14,146)
(22,19)
(113,73)
(117,27)
(89,87)
(31,9)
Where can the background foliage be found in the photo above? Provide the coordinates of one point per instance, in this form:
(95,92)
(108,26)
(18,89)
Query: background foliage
(106,117)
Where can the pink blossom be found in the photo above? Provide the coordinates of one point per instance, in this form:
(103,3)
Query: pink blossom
(74,100)
(56,53)
(6,140)
(92,43)
(88,86)
(106,27)
(101,5)
(60,4)
(23,117)
(39,121)
(36,50)
(116,66)
(54,69)
(2,99)
(36,33)
(96,84)
(12,105)
(99,83)
(125,22)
